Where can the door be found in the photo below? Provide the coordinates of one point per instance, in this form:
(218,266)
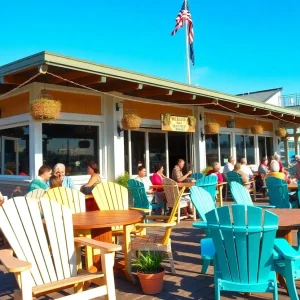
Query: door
(10,156)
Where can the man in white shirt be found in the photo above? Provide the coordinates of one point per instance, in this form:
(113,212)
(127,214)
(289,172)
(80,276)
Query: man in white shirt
(146,181)
(245,169)
(229,166)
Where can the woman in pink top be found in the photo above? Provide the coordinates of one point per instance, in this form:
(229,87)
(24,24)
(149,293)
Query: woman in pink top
(158,176)
(216,170)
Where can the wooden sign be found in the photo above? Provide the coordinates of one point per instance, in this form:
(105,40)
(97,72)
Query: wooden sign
(177,123)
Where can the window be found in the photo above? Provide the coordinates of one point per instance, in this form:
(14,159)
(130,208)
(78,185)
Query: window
(225,148)
(72,145)
(15,151)
(138,153)
(265,147)
(157,149)
(244,145)
(211,144)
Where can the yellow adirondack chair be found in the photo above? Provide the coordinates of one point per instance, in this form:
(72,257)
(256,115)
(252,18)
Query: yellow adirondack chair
(113,196)
(71,198)
(157,242)
(46,257)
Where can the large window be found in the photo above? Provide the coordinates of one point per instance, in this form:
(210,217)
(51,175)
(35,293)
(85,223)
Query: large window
(138,153)
(244,145)
(72,145)
(157,149)
(225,148)
(15,151)
(265,146)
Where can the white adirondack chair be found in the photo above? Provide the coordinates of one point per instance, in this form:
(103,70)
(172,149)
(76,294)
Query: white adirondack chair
(35,194)
(71,198)
(47,259)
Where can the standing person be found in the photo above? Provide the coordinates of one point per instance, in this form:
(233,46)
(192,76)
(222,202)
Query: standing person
(59,171)
(95,178)
(40,182)
(245,169)
(216,170)
(229,165)
(177,174)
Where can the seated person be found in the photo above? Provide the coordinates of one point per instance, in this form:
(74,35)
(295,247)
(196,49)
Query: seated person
(177,174)
(238,169)
(93,170)
(263,170)
(39,182)
(274,171)
(245,169)
(229,165)
(146,181)
(157,180)
(54,182)
(59,170)
(216,170)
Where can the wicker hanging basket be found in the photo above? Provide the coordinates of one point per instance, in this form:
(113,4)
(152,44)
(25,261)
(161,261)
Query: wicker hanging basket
(257,129)
(131,121)
(212,128)
(44,107)
(280,132)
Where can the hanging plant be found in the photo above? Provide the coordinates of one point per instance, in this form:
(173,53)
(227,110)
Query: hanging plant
(212,128)
(257,129)
(192,121)
(131,121)
(44,107)
(166,119)
(280,132)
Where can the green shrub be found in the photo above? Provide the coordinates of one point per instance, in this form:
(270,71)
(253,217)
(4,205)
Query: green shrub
(206,169)
(149,262)
(123,179)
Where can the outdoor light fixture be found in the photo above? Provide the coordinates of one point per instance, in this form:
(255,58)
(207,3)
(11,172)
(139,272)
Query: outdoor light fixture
(119,129)
(254,109)
(200,117)
(202,135)
(118,107)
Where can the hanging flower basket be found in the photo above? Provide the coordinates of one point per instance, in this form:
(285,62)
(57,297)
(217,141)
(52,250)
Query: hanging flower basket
(166,119)
(280,132)
(257,129)
(44,107)
(192,121)
(131,121)
(212,128)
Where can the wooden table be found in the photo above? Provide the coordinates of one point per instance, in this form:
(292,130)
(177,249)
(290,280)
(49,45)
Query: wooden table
(190,184)
(293,186)
(98,226)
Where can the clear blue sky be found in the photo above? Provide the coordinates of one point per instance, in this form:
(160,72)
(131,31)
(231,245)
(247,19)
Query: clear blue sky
(240,46)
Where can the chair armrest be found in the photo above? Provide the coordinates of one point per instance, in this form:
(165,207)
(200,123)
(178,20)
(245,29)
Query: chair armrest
(286,250)
(144,210)
(13,264)
(97,244)
(292,193)
(186,194)
(201,225)
(157,217)
(155,224)
(265,206)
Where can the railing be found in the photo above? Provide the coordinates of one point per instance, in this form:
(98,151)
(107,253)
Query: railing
(290,100)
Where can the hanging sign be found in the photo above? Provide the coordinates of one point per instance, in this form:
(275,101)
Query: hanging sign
(178,123)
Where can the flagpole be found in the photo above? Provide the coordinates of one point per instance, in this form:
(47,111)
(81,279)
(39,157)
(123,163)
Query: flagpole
(187,51)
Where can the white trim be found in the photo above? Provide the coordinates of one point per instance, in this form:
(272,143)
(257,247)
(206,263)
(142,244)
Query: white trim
(19,91)
(18,120)
(78,118)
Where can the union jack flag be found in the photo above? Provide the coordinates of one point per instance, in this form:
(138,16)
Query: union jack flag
(185,16)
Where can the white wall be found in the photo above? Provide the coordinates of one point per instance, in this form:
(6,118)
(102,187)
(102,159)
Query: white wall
(275,99)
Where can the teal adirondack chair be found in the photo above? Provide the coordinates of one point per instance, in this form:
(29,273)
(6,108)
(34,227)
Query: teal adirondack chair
(140,199)
(243,237)
(196,176)
(203,203)
(234,176)
(209,183)
(241,195)
(278,193)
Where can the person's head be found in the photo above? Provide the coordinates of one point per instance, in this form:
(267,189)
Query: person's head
(142,171)
(277,157)
(92,168)
(231,160)
(45,172)
(158,168)
(180,163)
(59,171)
(54,182)
(243,161)
(216,166)
(237,167)
(264,161)
(274,166)
(297,159)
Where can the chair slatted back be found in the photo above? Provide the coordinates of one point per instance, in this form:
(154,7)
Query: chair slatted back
(139,194)
(71,198)
(197,176)
(172,218)
(209,183)
(171,191)
(35,194)
(234,176)
(202,201)
(28,239)
(278,192)
(243,237)
(240,194)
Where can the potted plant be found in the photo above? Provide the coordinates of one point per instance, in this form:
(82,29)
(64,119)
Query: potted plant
(123,179)
(131,121)
(150,271)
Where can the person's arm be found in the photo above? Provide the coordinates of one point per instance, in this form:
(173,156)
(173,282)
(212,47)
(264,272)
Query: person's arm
(184,177)
(92,181)
(71,184)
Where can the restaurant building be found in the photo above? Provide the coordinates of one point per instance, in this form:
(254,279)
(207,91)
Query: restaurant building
(94,99)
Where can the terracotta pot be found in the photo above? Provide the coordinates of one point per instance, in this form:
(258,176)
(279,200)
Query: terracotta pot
(151,283)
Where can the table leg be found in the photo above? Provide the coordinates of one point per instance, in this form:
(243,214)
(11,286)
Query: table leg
(127,264)
(220,188)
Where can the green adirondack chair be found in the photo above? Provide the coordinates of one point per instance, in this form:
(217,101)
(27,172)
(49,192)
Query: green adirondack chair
(140,199)
(196,176)
(241,195)
(203,203)
(243,237)
(209,183)
(279,195)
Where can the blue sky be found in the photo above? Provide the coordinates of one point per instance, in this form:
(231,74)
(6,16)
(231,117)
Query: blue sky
(240,46)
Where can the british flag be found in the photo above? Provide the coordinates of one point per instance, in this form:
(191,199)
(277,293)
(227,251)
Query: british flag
(185,16)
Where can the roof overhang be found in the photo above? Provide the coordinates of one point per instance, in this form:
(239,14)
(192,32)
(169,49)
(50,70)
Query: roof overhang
(108,79)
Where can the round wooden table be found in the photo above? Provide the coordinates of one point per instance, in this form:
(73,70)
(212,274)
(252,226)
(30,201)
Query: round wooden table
(293,186)
(98,226)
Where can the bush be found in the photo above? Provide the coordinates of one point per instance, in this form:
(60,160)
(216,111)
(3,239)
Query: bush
(123,179)
(149,262)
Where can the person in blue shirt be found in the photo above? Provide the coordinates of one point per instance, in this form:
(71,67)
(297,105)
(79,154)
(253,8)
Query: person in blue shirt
(59,171)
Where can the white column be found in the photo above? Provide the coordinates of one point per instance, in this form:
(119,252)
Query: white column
(200,152)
